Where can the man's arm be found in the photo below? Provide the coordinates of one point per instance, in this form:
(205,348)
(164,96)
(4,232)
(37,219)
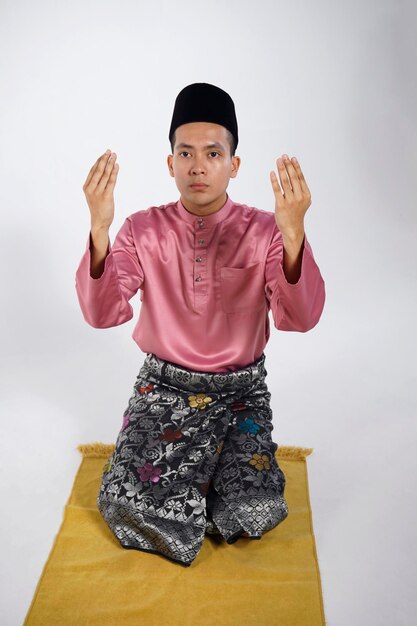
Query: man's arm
(294,285)
(291,205)
(99,192)
(107,277)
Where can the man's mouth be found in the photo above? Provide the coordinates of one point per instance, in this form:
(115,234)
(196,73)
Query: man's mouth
(199,186)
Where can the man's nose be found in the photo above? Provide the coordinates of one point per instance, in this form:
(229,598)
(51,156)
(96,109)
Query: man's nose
(197,165)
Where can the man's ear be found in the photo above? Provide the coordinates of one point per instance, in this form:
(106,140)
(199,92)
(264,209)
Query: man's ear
(235,166)
(169,162)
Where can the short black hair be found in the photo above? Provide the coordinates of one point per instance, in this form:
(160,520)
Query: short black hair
(229,136)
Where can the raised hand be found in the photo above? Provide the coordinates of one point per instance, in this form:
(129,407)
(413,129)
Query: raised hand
(292,203)
(98,189)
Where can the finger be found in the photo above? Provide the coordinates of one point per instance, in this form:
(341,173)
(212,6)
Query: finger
(94,168)
(112,178)
(103,159)
(106,174)
(293,176)
(99,172)
(286,185)
(304,186)
(275,186)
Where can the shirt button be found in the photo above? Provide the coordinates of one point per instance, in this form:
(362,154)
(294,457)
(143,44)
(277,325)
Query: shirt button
(199,258)
(198,279)
(201,242)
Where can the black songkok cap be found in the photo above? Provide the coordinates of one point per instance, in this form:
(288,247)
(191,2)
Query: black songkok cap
(202,102)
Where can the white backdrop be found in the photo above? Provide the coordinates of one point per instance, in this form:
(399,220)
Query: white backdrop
(333,83)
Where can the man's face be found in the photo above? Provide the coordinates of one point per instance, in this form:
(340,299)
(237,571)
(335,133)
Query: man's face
(202,155)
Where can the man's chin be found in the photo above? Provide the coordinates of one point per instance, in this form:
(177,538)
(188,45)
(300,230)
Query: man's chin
(199,197)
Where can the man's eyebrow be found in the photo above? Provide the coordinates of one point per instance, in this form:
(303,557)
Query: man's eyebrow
(215,144)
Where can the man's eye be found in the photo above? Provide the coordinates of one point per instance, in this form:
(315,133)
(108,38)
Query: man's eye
(215,153)
(183,153)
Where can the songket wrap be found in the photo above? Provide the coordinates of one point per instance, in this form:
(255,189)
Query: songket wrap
(194,455)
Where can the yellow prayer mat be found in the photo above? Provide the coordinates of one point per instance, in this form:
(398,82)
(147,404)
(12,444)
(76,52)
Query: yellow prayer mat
(90,579)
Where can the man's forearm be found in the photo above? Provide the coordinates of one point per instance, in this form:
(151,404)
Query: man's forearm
(99,243)
(293,254)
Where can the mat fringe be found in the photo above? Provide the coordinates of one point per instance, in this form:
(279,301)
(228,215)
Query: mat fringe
(293,452)
(99,449)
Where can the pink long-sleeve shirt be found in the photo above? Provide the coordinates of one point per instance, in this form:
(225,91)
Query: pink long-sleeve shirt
(206,284)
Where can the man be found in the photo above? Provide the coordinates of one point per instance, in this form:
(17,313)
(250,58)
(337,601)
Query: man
(195,453)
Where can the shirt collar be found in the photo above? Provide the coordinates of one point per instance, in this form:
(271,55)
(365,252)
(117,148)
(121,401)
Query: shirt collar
(208,220)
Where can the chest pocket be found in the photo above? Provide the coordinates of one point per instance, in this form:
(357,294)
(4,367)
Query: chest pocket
(242,289)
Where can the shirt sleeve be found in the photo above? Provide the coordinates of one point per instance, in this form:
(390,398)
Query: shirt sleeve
(104,301)
(295,306)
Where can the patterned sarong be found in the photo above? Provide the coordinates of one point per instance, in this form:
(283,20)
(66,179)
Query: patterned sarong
(194,455)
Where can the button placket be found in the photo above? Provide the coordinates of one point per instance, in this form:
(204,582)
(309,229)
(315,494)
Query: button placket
(200,290)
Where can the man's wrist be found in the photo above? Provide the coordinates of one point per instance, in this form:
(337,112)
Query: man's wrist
(293,254)
(293,243)
(99,229)
(293,236)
